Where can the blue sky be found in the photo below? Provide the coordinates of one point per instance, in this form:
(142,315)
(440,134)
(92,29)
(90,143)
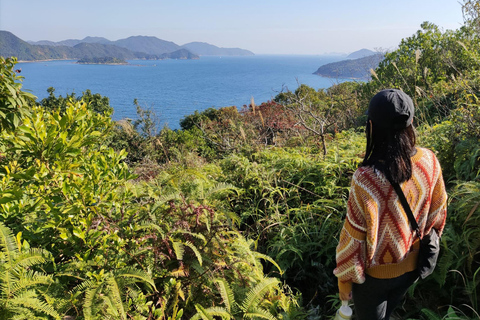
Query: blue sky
(262,26)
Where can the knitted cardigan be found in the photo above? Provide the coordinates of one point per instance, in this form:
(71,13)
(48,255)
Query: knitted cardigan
(377,238)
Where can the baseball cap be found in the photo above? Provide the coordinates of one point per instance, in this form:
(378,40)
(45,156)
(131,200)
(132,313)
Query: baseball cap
(391,108)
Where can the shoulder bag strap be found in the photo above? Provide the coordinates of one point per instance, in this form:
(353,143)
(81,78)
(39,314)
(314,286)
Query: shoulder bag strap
(406,207)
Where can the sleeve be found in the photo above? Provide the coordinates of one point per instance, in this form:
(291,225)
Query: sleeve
(437,213)
(350,254)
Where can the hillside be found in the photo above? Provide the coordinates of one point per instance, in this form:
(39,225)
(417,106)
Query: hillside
(150,45)
(206,49)
(97,50)
(179,54)
(350,69)
(92,47)
(153,46)
(11,45)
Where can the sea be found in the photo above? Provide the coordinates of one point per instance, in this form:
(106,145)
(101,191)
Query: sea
(174,89)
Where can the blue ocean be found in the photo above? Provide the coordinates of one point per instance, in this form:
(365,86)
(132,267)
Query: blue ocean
(176,88)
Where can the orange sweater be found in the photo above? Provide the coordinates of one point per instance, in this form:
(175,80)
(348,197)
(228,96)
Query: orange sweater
(377,238)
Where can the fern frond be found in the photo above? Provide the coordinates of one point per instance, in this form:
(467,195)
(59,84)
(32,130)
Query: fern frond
(196,251)
(259,313)
(202,313)
(29,301)
(178,248)
(29,280)
(226,293)
(91,297)
(84,286)
(141,275)
(115,294)
(193,234)
(222,186)
(166,198)
(150,226)
(7,242)
(219,312)
(30,258)
(255,295)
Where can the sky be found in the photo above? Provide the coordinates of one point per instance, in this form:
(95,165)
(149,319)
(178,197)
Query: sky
(261,26)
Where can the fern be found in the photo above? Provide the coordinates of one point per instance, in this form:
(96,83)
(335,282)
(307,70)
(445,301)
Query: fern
(115,293)
(28,280)
(193,234)
(30,258)
(227,294)
(18,285)
(141,275)
(255,295)
(178,248)
(91,296)
(150,226)
(7,243)
(30,301)
(195,250)
(256,313)
(202,313)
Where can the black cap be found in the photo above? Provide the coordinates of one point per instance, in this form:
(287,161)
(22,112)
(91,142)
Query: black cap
(391,108)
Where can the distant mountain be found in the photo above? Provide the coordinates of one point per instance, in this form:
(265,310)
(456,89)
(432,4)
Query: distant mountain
(139,47)
(351,69)
(71,42)
(11,45)
(91,48)
(206,49)
(362,53)
(100,40)
(150,45)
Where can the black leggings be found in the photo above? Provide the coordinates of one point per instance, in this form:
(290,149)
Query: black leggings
(375,299)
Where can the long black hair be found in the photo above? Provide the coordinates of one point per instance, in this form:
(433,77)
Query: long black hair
(389,151)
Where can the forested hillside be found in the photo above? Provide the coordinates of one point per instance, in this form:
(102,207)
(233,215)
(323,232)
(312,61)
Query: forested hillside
(351,69)
(93,48)
(237,214)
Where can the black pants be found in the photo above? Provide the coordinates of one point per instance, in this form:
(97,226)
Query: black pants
(375,299)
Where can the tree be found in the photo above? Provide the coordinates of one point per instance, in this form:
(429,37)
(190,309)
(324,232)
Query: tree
(314,111)
(14,103)
(471,14)
(95,102)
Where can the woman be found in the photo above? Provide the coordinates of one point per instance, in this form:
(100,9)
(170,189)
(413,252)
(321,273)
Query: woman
(377,252)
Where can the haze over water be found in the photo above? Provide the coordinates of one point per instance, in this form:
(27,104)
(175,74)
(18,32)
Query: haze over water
(175,88)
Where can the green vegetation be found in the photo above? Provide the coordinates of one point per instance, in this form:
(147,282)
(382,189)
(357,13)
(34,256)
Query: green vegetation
(237,214)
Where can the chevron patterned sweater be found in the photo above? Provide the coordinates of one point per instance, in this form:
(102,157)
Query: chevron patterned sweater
(377,238)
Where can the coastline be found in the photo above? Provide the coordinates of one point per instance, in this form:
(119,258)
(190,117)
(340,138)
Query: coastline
(45,60)
(108,63)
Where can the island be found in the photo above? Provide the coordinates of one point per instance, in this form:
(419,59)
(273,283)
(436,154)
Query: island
(103,60)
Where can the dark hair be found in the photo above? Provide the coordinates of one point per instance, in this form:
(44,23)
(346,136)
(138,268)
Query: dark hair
(389,151)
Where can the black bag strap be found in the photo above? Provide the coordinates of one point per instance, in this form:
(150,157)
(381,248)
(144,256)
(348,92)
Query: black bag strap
(406,207)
